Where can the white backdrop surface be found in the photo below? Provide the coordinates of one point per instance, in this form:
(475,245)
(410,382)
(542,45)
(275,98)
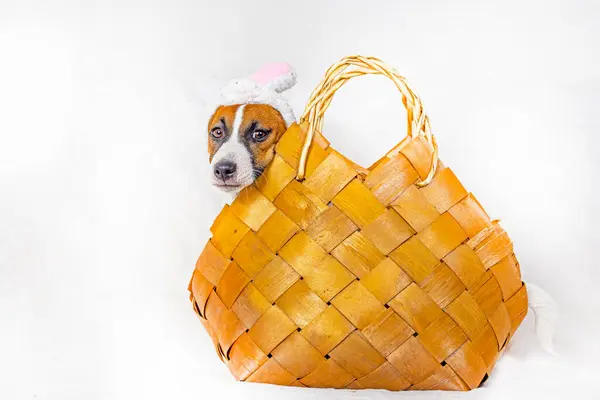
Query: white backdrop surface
(105,198)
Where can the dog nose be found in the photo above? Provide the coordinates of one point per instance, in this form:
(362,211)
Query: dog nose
(225,169)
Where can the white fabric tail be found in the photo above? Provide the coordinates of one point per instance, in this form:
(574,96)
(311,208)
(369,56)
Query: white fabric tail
(546,316)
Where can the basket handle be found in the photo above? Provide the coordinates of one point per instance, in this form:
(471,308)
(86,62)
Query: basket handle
(336,76)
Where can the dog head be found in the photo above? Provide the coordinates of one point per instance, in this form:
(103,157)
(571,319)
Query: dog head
(244,129)
(241,143)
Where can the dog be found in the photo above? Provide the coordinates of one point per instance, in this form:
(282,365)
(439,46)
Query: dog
(246,126)
(241,143)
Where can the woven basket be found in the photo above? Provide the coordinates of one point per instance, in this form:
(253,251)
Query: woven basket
(326,274)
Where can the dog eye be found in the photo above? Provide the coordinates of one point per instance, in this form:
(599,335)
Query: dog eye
(217,133)
(259,135)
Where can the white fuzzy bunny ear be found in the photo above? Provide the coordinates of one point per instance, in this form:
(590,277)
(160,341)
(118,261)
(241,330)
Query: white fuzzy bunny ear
(277,76)
(264,87)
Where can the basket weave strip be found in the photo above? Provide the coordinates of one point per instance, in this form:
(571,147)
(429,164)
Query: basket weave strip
(358,278)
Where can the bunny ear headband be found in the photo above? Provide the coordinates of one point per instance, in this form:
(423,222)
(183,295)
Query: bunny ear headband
(263,87)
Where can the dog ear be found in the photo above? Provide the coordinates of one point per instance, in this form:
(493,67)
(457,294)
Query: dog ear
(278,77)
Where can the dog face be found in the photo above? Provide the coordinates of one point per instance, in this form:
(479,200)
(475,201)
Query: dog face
(241,143)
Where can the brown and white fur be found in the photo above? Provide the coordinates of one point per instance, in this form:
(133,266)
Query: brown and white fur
(241,143)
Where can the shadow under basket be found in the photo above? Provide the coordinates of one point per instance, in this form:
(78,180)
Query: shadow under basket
(326,274)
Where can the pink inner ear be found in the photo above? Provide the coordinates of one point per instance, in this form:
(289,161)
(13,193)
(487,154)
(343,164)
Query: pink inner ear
(270,72)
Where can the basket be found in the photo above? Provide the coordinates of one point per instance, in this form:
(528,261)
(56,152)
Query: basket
(326,274)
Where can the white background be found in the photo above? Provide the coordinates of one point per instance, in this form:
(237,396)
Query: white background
(105,199)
